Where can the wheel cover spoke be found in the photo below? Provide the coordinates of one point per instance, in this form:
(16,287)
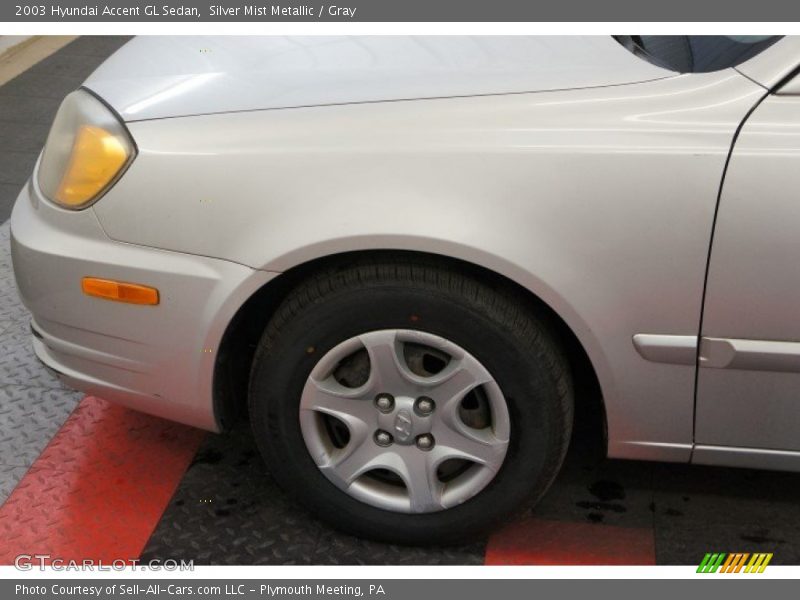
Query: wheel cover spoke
(348,464)
(457,381)
(393,455)
(332,398)
(423,486)
(481,446)
(387,366)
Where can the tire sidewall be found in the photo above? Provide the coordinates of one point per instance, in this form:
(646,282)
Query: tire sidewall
(290,351)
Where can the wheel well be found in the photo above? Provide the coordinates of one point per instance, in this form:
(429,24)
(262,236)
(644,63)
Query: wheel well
(238,345)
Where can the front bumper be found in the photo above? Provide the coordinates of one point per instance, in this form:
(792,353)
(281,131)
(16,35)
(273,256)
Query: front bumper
(158,359)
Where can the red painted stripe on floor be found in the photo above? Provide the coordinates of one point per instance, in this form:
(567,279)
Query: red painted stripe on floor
(541,542)
(99,488)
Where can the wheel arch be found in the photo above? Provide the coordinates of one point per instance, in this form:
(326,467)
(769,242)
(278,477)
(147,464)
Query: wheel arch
(237,347)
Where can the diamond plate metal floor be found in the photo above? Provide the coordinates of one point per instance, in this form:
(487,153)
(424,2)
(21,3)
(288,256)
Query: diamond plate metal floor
(99,487)
(228,510)
(33,403)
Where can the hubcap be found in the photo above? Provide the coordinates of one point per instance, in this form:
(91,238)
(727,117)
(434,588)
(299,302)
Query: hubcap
(426,430)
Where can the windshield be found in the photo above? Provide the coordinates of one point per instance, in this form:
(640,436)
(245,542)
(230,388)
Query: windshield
(696,53)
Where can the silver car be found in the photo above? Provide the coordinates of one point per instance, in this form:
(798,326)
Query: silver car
(399,256)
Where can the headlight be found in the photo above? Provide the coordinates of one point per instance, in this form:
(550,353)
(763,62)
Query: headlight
(86,151)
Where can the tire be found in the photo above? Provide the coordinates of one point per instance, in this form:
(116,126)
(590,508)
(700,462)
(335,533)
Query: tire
(491,323)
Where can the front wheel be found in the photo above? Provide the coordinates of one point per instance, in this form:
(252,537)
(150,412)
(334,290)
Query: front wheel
(410,403)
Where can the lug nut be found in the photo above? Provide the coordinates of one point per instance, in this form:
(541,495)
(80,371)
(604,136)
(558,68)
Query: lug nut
(383,438)
(424,406)
(425,441)
(384,402)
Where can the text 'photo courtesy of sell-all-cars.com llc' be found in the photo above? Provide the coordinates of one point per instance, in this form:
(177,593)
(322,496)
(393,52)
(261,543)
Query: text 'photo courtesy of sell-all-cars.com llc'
(401,299)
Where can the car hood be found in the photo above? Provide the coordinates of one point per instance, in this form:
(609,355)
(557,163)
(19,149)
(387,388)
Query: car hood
(155,77)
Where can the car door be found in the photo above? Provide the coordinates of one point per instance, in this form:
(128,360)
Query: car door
(748,386)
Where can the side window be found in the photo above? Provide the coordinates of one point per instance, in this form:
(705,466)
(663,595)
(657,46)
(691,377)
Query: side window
(696,53)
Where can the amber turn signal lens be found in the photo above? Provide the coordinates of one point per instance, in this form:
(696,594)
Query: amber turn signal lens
(96,159)
(87,150)
(107,289)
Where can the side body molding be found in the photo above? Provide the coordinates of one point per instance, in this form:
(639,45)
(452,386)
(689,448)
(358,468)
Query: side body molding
(670,349)
(719,353)
(750,355)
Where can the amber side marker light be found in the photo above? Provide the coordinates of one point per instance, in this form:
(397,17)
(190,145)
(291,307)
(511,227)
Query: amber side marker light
(118,291)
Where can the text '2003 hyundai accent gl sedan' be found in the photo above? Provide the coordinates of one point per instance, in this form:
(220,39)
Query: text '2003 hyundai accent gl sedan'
(396,254)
